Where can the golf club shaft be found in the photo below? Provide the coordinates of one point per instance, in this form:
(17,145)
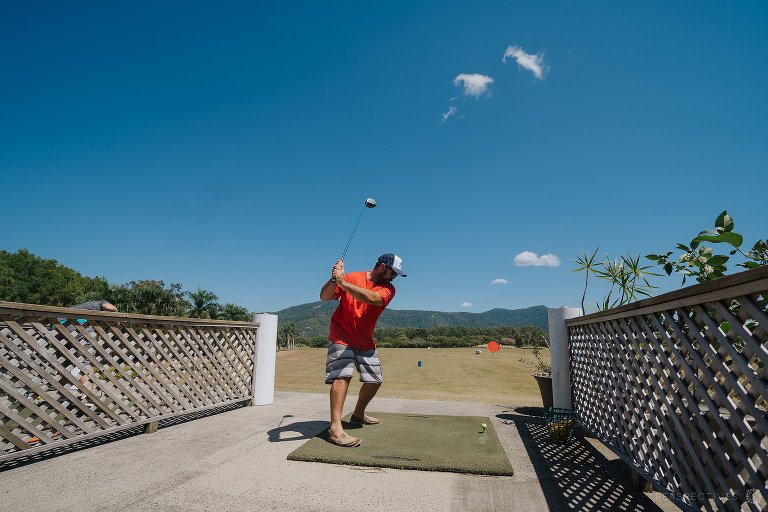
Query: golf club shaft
(353,232)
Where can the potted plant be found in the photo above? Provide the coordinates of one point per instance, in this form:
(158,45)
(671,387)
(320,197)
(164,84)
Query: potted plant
(543,373)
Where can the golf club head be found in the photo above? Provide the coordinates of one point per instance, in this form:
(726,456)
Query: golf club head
(370,203)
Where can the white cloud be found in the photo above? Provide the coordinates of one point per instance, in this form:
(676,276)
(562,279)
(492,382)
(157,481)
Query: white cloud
(528,258)
(466,304)
(500,280)
(532,62)
(451,112)
(474,84)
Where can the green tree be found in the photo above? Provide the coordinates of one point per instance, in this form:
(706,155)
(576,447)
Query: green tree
(286,334)
(201,303)
(234,312)
(27,278)
(148,297)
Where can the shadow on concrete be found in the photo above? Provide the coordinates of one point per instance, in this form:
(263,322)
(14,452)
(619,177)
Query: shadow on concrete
(530,411)
(304,430)
(296,431)
(196,415)
(57,451)
(576,476)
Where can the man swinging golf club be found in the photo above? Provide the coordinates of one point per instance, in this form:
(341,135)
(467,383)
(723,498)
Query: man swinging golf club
(362,298)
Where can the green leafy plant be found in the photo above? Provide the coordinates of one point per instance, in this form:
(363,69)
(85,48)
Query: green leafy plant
(700,261)
(541,364)
(627,277)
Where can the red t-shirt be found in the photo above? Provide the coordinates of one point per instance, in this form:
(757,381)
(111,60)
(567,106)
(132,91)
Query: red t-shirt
(353,321)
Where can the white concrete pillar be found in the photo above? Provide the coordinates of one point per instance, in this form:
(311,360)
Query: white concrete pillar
(558,348)
(264,367)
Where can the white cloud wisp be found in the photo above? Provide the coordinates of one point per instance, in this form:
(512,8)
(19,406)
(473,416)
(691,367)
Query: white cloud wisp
(528,259)
(474,84)
(532,62)
(500,280)
(447,115)
(466,304)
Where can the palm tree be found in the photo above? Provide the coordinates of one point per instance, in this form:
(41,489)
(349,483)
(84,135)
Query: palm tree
(287,334)
(201,303)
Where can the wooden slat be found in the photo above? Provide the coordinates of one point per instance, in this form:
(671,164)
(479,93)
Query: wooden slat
(145,368)
(170,402)
(37,389)
(97,383)
(167,382)
(21,309)
(675,433)
(675,396)
(40,414)
(62,372)
(701,378)
(65,393)
(24,424)
(214,380)
(194,381)
(201,387)
(109,361)
(211,356)
(177,377)
(117,362)
(13,438)
(232,360)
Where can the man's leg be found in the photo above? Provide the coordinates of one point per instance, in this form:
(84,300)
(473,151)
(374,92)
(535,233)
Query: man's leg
(367,392)
(339,389)
(369,366)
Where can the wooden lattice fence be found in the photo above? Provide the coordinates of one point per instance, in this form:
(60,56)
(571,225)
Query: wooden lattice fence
(677,385)
(140,369)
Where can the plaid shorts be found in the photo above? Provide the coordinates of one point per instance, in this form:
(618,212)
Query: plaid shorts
(342,360)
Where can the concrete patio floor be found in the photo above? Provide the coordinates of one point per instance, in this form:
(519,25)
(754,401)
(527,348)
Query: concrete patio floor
(236,460)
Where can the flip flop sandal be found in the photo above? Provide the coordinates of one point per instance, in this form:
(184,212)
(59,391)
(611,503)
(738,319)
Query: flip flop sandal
(346,441)
(365,420)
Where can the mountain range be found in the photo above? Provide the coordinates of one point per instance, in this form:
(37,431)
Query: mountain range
(312,319)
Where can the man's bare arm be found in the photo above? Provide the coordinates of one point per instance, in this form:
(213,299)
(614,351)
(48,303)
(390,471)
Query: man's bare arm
(361,294)
(327,292)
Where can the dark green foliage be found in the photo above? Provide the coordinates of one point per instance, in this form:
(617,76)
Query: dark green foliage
(25,277)
(311,320)
(457,336)
(148,298)
(202,304)
(700,261)
(30,279)
(232,311)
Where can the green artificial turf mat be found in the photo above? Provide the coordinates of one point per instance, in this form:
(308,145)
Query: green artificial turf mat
(415,441)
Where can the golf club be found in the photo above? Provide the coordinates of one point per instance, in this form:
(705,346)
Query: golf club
(369,203)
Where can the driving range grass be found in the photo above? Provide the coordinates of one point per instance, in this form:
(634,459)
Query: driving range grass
(456,374)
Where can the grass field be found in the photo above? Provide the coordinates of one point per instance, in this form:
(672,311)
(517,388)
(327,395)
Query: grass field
(446,374)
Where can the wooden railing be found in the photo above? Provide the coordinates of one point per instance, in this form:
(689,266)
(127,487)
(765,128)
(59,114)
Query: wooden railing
(135,370)
(677,385)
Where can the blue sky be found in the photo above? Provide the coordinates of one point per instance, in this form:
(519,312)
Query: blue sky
(230,145)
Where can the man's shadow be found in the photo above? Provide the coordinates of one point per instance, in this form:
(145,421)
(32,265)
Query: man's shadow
(301,430)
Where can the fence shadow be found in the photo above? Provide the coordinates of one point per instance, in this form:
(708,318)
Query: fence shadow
(57,451)
(576,476)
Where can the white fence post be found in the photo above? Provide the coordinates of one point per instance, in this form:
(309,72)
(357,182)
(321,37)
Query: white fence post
(264,368)
(558,348)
